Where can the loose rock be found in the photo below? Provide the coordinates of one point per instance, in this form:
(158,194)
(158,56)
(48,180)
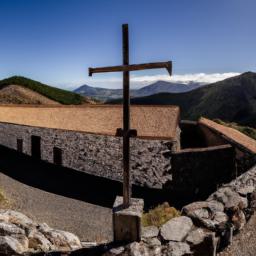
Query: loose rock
(150,231)
(178,248)
(176,229)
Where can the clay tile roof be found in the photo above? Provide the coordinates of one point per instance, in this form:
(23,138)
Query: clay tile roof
(158,122)
(231,135)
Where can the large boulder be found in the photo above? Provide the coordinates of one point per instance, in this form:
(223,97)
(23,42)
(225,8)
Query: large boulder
(176,229)
(207,214)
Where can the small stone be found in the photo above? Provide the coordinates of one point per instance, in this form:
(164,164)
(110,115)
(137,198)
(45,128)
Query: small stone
(230,198)
(212,206)
(116,251)
(150,231)
(208,214)
(10,229)
(37,241)
(197,236)
(244,191)
(238,220)
(138,249)
(153,241)
(10,246)
(178,248)
(176,229)
(220,217)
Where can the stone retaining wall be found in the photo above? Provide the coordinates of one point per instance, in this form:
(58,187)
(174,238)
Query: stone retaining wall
(205,227)
(199,171)
(99,155)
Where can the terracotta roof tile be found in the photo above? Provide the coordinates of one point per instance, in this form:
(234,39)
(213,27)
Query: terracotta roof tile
(150,121)
(231,134)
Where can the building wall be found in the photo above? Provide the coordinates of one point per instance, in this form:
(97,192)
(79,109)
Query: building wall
(96,154)
(197,172)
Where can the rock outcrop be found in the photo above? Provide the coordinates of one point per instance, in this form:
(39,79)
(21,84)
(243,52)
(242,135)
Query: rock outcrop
(19,234)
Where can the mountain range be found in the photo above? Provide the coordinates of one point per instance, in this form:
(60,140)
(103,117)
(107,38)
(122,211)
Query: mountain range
(105,94)
(231,100)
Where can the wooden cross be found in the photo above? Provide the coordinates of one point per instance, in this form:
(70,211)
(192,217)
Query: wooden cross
(126,132)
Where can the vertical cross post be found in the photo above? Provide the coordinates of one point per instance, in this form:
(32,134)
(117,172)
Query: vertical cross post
(126,120)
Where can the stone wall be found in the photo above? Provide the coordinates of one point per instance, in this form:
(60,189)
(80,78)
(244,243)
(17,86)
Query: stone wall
(197,172)
(205,227)
(96,154)
(244,158)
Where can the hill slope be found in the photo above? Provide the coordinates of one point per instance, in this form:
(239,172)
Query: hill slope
(232,100)
(51,93)
(157,87)
(16,94)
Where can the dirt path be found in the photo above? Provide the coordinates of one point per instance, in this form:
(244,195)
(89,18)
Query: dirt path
(244,243)
(88,221)
(63,198)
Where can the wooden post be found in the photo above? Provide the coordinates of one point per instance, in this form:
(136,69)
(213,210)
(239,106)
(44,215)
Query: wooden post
(126,120)
(126,132)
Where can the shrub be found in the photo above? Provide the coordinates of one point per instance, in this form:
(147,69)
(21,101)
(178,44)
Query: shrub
(159,215)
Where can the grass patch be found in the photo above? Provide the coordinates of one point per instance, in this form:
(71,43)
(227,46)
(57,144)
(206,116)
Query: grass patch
(159,215)
(249,131)
(3,200)
(56,94)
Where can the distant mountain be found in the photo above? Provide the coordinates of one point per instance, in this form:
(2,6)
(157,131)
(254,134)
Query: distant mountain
(102,94)
(163,86)
(157,87)
(21,90)
(232,100)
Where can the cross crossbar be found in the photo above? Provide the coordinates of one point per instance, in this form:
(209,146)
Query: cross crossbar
(133,67)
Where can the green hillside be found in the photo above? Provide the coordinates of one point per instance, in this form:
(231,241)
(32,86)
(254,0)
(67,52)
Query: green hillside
(231,100)
(56,94)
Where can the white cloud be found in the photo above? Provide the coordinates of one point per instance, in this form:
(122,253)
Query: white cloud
(140,81)
(186,78)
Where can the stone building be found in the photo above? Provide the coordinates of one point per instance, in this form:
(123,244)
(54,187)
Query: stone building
(84,138)
(191,158)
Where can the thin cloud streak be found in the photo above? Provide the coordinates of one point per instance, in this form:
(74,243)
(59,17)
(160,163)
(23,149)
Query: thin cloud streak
(140,81)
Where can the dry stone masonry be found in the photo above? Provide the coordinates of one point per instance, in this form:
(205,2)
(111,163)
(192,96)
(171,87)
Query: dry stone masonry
(99,155)
(204,228)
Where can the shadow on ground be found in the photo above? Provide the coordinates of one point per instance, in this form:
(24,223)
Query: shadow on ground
(71,183)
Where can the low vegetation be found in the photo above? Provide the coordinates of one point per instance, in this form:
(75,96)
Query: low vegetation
(3,200)
(249,131)
(56,94)
(159,215)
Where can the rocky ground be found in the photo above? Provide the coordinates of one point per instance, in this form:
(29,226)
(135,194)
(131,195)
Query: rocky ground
(244,243)
(19,234)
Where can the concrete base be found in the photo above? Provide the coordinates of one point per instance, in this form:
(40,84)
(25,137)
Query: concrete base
(127,222)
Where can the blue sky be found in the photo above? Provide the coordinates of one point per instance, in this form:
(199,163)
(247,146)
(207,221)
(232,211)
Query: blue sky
(55,41)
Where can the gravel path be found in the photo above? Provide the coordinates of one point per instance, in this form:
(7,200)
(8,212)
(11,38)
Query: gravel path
(244,243)
(90,222)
